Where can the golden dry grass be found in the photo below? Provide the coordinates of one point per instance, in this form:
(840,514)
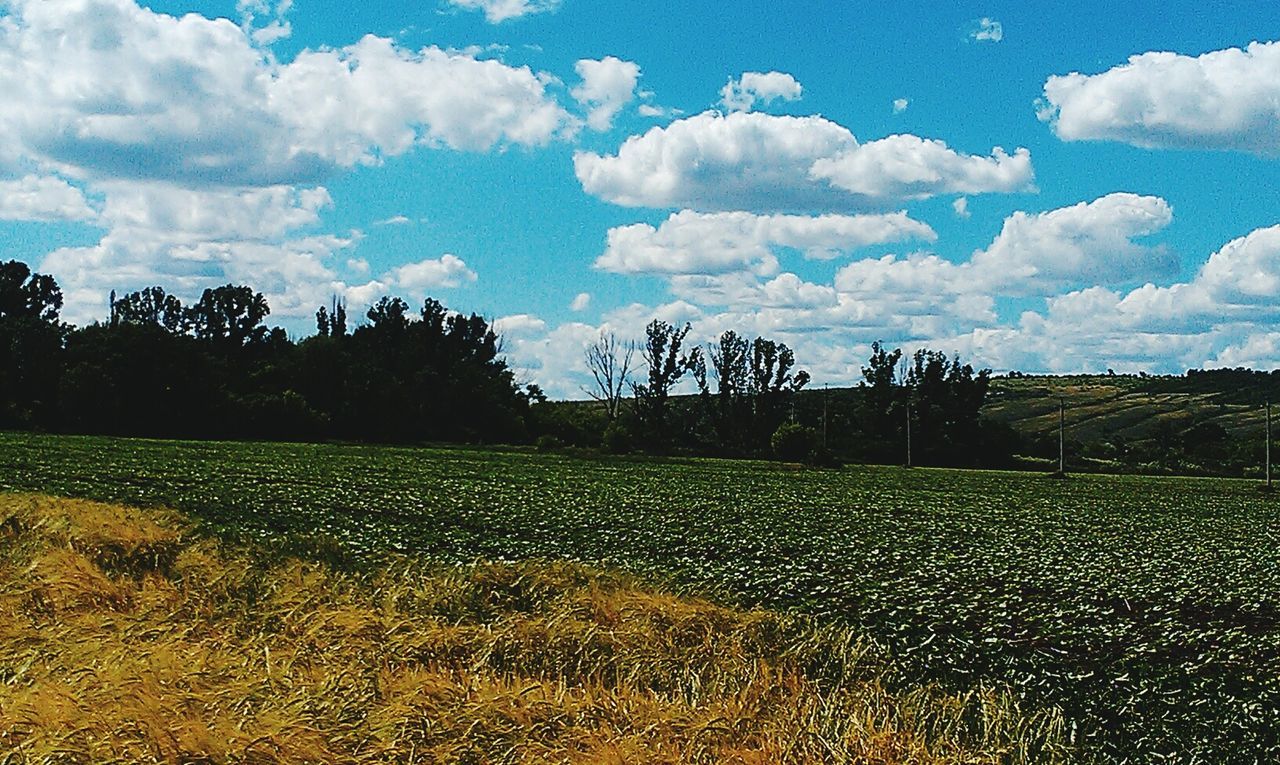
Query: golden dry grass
(126,638)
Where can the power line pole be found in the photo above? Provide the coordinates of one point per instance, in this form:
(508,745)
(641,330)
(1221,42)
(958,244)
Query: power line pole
(1062,435)
(825,386)
(908,435)
(1268,445)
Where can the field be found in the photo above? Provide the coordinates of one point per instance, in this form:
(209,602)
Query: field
(126,636)
(1143,608)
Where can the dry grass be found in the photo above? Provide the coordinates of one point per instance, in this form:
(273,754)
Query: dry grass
(126,638)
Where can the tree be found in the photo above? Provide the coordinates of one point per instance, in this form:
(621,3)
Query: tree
(229,314)
(149,306)
(881,388)
(389,314)
(754,384)
(666,366)
(27,295)
(609,372)
(946,397)
(31,339)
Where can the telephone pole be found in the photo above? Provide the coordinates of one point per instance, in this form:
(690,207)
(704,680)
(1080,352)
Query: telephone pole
(1062,436)
(1268,446)
(825,386)
(908,435)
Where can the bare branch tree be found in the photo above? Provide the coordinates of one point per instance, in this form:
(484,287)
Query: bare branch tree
(610,371)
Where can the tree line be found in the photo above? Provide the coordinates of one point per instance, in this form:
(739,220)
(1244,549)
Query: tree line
(215,369)
(746,397)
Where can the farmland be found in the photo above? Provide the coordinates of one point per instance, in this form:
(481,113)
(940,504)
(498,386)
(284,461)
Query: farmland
(1143,607)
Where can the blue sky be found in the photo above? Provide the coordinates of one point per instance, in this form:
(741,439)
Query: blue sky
(1044,187)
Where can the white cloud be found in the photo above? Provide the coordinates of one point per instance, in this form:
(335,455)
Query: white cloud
(988,30)
(607,85)
(105,89)
(900,105)
(961,206)
(264,21)
(497,11)
(43,198)
(1226,99)
(767,163)
(580,302)
(742,94)
(394,220)
(910,167)
(518,324)
(690,242)
(1090,242)
(446,271)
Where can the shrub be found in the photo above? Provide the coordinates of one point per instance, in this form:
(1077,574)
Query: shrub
(617,439)
(794,443)
(548,443)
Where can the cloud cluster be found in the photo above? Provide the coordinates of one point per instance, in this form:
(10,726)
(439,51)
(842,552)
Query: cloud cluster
(498,11)
(607,86)
(1226,99)
(197,151)
(987,30)
(728,270)
(770,163)
(43,198)
(105,88)
(690,242)
(742,94)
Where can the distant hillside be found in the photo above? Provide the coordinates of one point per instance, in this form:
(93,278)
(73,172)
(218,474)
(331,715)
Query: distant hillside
(1101,407)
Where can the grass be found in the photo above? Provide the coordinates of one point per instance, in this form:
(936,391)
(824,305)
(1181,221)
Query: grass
(127,636)
(1144,608)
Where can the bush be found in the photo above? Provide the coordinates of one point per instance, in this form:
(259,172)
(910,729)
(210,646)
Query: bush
(617,439)
(794,443)
(548,443)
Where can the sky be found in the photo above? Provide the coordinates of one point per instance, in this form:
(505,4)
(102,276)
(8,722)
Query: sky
(1042,187)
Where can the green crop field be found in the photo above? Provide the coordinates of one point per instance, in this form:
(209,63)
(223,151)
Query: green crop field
(1146,608)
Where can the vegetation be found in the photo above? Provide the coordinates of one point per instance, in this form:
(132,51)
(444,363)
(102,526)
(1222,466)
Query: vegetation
(125,636)
(214,370)
(1142,607)
(1203,423)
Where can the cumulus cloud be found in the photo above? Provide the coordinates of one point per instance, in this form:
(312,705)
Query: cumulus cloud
(497,11)
(770,163)
(43,198)
(742,94)
(961,207)
(188,240)
(910,167)
(607,86)
(107,89)
(1087,242)
(690,242)
(580,302)
(446,271)
(1226,99)
(900,105)
(987,30)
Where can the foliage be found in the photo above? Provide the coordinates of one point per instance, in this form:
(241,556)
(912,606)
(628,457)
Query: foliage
(755,383)
(215,370)
(287,660)
(1144,608)
(795,443)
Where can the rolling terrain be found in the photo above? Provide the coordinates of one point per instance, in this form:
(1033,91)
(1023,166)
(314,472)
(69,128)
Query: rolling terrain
(1141,608)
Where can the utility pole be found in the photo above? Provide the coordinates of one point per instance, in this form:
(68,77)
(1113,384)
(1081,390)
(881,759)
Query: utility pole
(1268,446)
(825,386)
(908,435)
(1062,436)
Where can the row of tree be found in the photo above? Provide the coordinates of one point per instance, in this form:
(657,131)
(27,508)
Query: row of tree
(750,400)
(214,369)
